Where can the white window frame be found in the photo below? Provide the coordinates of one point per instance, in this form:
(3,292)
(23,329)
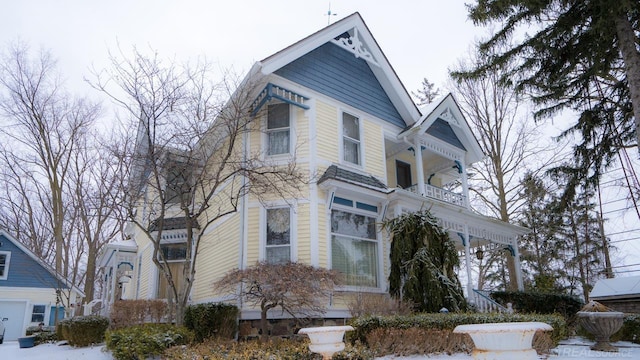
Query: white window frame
(292,231)
(266,131)
(44,313)
(378,241)
(360,141)
(184,243)
(7,261)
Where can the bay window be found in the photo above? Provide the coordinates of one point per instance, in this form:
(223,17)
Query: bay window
(354,248)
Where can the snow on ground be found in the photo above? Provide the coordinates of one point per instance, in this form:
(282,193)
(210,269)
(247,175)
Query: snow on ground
(574,348)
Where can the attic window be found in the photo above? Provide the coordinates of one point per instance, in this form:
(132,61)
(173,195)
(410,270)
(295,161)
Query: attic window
(5,256)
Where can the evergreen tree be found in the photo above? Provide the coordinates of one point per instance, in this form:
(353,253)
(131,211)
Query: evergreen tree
(582,258)
(541,252)
(423,260)
(427,94)
(583,56)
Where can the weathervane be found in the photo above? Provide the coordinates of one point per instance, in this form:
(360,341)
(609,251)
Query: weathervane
(329,14)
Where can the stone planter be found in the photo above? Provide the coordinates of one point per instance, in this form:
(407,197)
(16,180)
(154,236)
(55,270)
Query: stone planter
(27,341)
(503,341)
(601,325)
(326,340)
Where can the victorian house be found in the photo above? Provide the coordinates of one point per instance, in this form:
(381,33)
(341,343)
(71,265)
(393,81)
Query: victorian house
(334,97)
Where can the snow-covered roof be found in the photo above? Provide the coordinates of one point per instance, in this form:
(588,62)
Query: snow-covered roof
(617,287)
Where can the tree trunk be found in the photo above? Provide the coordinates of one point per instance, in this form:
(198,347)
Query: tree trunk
(631,57)
(90,276)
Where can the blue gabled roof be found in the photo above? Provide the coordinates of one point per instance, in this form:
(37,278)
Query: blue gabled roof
(443,131)
(25,271)
(332,71)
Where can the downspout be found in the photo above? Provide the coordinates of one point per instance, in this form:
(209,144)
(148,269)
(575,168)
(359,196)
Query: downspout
(243,215)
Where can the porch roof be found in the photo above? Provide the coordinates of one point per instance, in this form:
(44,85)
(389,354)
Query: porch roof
(334,172)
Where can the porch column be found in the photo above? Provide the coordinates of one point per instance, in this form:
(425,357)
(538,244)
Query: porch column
(419,166)
(467,261)
(465,183)
(516,256)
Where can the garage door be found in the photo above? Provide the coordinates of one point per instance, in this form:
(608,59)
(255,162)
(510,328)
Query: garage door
(14,312)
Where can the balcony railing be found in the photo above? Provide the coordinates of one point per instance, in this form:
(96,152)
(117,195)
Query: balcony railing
(440,194)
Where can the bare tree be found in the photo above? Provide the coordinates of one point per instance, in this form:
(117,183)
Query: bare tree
(98,212)
(191,163)
(297,289)
(511,144)
(56,196)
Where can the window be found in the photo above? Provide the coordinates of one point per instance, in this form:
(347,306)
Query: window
(278,129)
(174,252)
(37,315)
(5,256)
(178,183)
(278,237)
(351,138)
(354,248)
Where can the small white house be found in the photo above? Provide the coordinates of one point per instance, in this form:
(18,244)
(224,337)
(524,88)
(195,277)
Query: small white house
(29,289)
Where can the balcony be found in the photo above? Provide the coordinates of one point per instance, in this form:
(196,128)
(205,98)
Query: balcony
(437,193)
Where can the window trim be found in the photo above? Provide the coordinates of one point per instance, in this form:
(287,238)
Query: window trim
(7,262)
(266,131)
(293,248)
(379,243)
(360,141)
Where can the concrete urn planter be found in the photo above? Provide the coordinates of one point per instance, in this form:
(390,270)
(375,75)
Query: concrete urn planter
(326,340)
(601,325)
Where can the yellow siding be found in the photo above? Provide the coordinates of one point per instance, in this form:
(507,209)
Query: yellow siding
(255,137)
(301,145)
(322,233)
(219,253)
(253,236)
(374,148)
(146,270)
(327,132)
(304,234)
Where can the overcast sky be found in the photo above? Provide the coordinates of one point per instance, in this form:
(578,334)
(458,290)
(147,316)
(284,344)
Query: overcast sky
(420,38)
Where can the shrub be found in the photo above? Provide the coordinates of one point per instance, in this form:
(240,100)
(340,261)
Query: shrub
(212,319)
(218,349)
(363,304)
(62,331)
(126,313)
(433,333)
(45,334)
(630,329)
(84,330)
(142,341)
(540,303)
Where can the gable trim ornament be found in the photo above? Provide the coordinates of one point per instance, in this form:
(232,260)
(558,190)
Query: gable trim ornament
(354,45)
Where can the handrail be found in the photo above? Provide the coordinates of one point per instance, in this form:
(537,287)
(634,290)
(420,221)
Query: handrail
(485,303)
(441,194)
